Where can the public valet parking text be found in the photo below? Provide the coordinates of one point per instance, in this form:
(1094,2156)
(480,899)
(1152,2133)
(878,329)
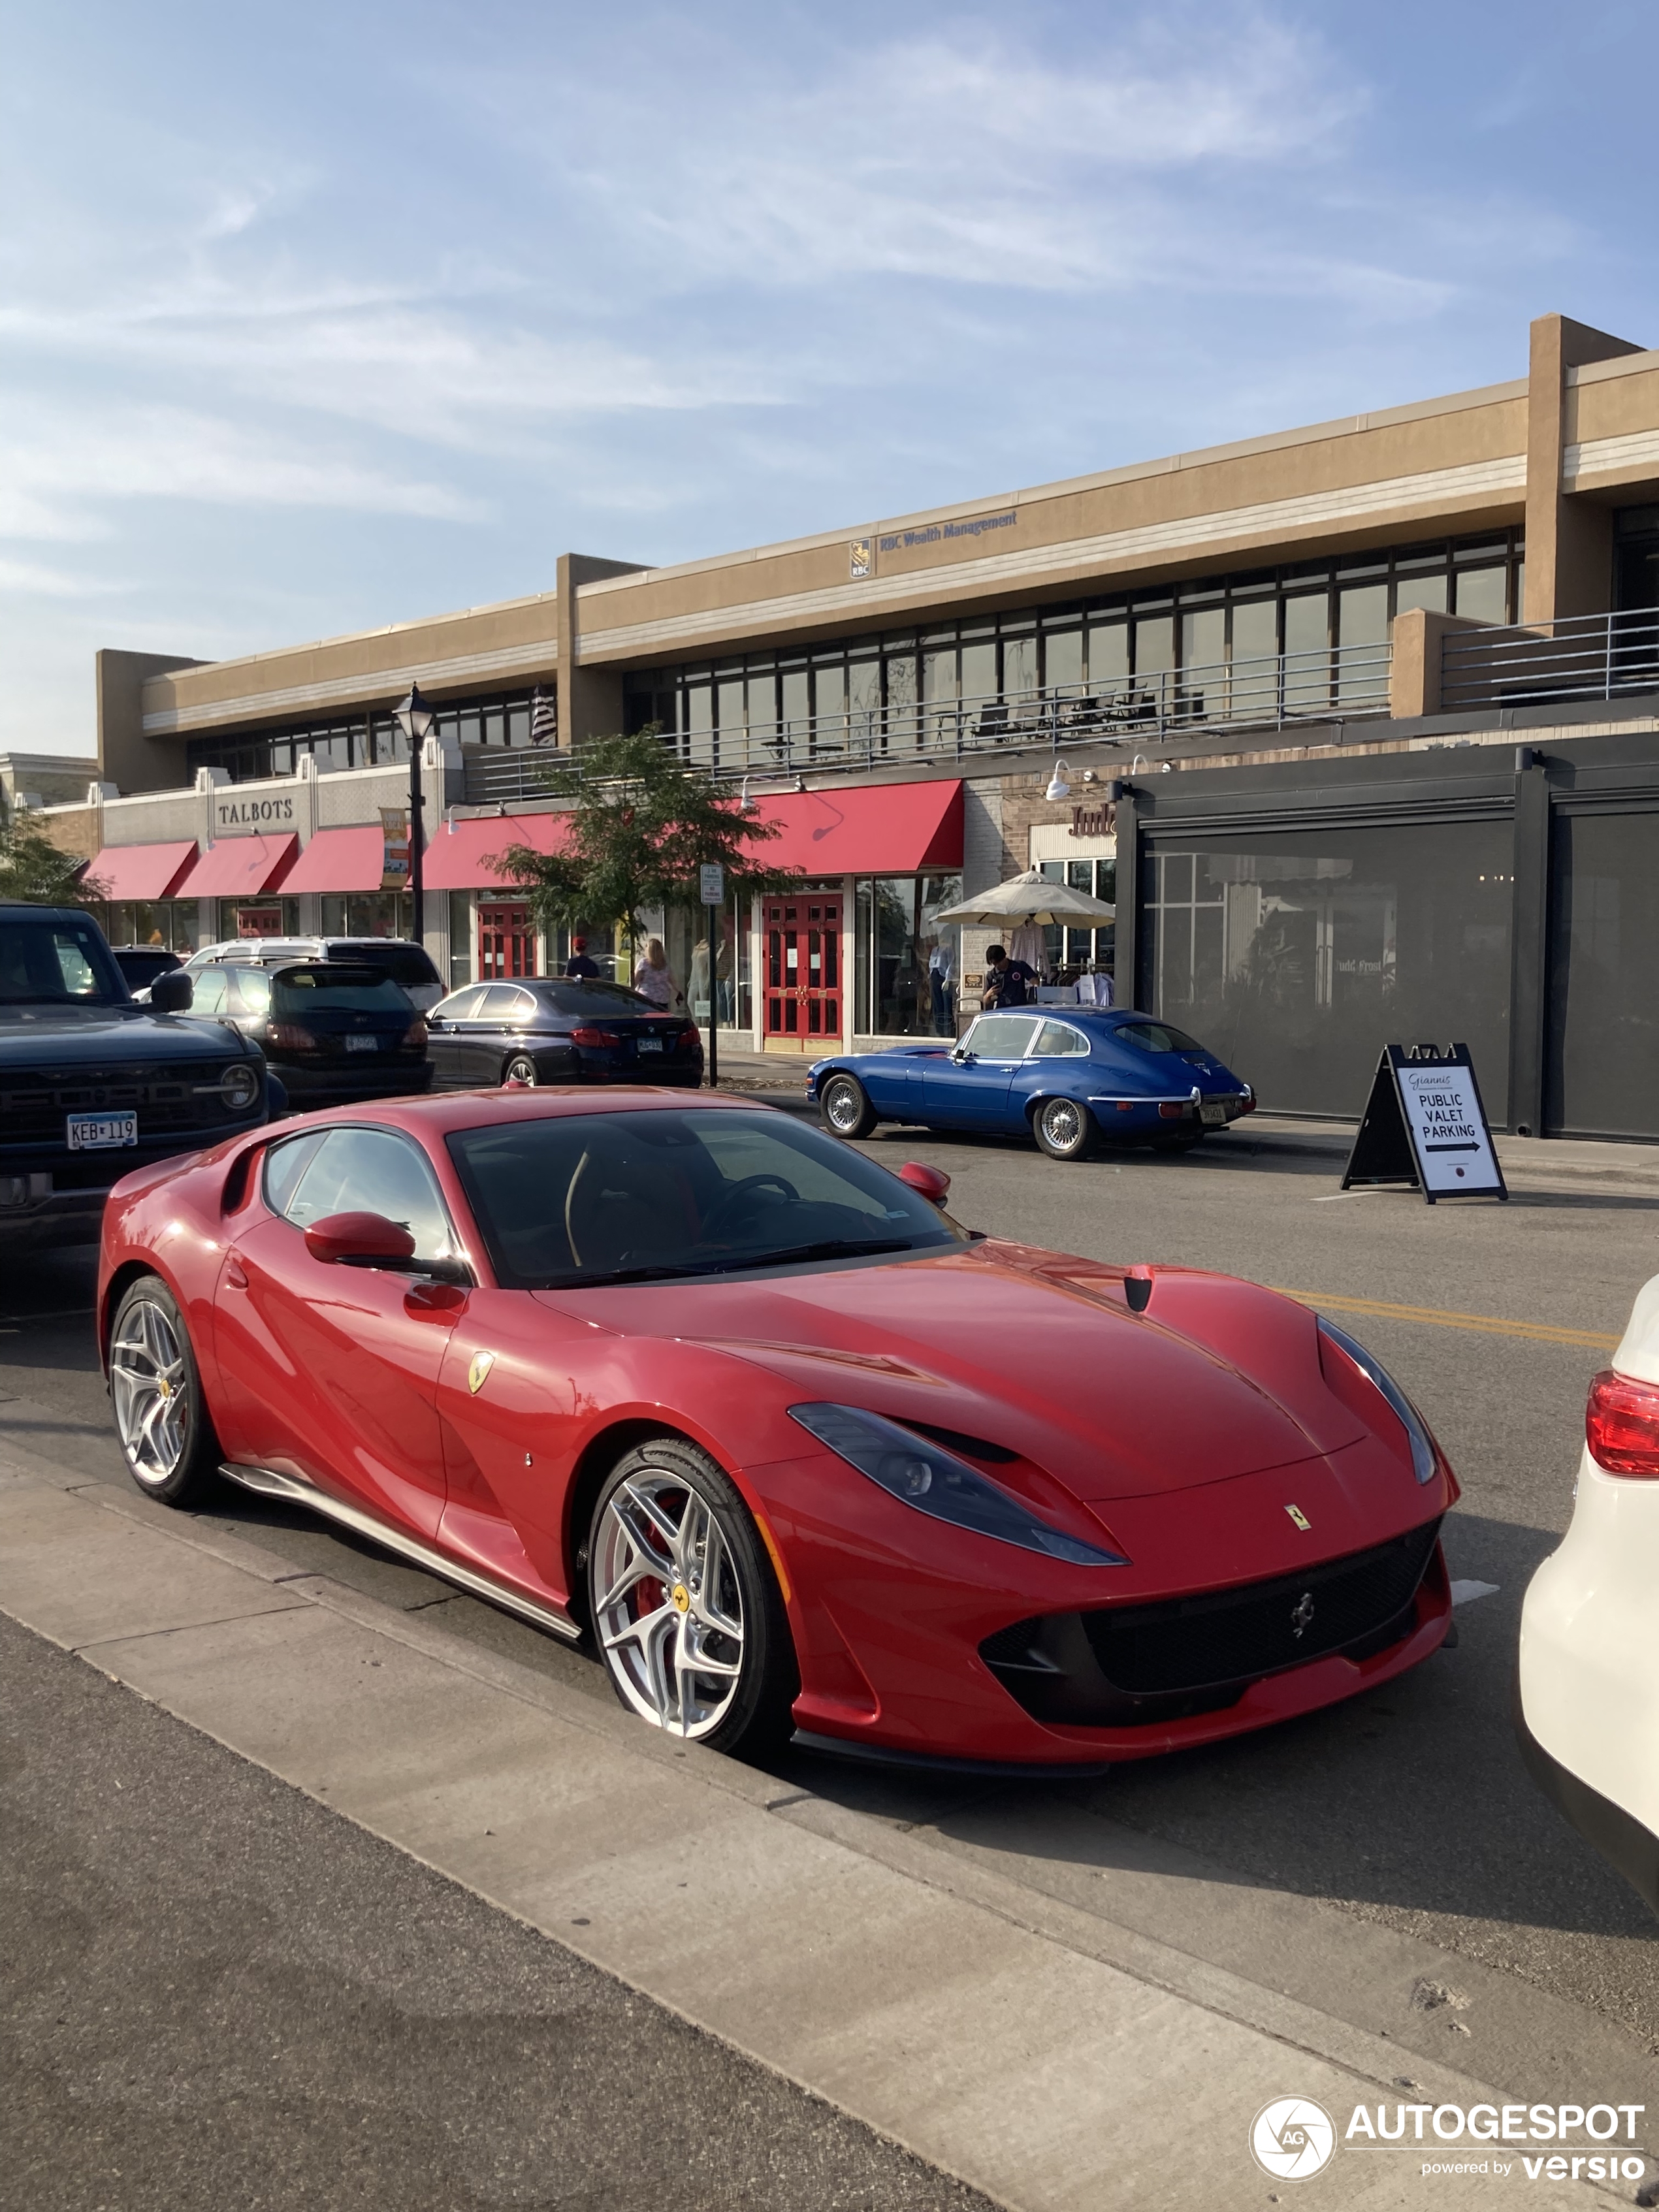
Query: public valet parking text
(1512,2124)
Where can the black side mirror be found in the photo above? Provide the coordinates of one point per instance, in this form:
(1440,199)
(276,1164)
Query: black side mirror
(171,993)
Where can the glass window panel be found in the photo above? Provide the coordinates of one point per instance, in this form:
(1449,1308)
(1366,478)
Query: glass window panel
(1481,549)
(1204,638)
(1297,955)
(1108,654)
(797,695)
(1431,591)
(494,726)
(518,722)
(1307,622)
(729,701)
(1482,593)
(470,725)
(938,672)
(762,698)
(1421,556)
(1062,659)
(1604,1027)
(979,668)
(1019,665)
(1154,643)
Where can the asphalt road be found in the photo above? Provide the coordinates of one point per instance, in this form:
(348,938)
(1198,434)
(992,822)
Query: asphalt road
(1406,1811)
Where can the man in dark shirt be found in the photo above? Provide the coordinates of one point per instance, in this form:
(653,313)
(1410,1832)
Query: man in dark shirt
(1010,983)
(579,963)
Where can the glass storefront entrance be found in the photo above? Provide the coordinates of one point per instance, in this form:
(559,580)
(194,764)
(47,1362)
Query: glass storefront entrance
(1603,1046)
(1297,955)
(900,988)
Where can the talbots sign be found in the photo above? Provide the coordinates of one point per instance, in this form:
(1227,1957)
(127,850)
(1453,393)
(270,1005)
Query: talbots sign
(232,815)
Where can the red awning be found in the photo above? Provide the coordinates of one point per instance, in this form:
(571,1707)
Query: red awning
(866,829)
(241,867)
(459,857)
(339,860)
(140,871)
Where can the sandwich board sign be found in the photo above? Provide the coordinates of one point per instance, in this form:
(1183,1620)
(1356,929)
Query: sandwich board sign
(1425,1125)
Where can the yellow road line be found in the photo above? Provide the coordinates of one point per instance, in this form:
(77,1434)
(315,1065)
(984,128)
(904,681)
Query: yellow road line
(1484,1324)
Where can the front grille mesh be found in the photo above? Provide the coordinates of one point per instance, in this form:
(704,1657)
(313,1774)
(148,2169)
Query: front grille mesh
(1229,1636)
(167,1098)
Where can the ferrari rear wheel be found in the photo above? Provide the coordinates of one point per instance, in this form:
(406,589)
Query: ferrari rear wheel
(685,1608)
(1064,1128)
(844,1108)
(520,1069)
(167,1438)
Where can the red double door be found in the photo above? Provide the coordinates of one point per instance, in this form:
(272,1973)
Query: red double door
(802,997)
(507,941)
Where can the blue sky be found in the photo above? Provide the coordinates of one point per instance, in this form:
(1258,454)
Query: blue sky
(315,317)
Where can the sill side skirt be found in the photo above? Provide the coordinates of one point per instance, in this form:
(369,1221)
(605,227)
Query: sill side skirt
(266,1482)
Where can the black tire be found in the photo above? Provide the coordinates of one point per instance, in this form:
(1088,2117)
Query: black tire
(846,1097)
(689,1497)
(172,1455)
(1180,1140)
(1065,1128)
(520,1069)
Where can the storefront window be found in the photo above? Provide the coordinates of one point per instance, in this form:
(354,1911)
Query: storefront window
(175,923)
(367,914)
(1604,1030)
(460,939)
(1068,952)
(900,988)
(1297,957)
(265,917)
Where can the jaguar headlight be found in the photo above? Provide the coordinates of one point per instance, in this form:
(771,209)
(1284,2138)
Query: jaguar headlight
(935,1481)
(1422,1443)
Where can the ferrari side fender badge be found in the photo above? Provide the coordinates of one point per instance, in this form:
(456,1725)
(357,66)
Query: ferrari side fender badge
(1295,1511)
(478,1373)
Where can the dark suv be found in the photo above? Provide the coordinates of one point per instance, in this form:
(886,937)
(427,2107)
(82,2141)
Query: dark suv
(92,1085)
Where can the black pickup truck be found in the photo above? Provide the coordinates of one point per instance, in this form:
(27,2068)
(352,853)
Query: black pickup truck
(93,1087)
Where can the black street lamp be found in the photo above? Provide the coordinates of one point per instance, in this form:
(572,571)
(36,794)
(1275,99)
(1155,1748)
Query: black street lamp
(414,718)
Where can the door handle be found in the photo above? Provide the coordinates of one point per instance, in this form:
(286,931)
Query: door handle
(236,1275)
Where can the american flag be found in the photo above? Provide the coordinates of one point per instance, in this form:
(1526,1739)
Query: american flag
(544,717)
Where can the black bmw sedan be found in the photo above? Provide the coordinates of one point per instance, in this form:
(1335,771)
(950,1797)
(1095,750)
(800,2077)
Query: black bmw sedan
(558,1029)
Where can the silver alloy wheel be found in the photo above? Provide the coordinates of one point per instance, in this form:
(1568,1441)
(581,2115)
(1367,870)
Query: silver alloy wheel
(670,1618)
(151,1392)
(843,1108)
(520,1069)
(1062,1124)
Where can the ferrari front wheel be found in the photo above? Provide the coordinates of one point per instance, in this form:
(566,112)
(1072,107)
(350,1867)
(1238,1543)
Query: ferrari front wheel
(167,1438)
(686,1609)
(1064,1128)
(844,1108)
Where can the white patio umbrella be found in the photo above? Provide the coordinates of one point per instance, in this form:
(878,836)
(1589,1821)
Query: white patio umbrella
(1032,897)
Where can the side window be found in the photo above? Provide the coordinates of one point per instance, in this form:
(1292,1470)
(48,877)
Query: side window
(284,1165)
(252,992)
(77,971)
(1000,1037)
(208,992)
(501,1003)
(459,1007)
(372,1172)
(1057,1039)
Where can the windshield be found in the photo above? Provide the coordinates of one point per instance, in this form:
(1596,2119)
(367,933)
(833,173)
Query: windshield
(406,963)
(1156,1037)
(589,998)
(585,1199)
(299,993)
(57,964)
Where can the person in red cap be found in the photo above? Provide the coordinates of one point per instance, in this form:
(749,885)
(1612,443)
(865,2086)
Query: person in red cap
(579,963)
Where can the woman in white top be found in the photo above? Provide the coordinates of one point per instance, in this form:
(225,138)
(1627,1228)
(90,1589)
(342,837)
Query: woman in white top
(655,979)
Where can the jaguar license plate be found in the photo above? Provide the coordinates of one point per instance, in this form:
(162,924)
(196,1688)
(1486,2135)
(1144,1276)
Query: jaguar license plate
(101,1133)
(1211,1115)
(650,1044)
(362,1044)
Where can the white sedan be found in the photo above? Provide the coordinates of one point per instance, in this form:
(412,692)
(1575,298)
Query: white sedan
(1588,1685)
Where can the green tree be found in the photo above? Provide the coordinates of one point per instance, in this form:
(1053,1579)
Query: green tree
(640,825)
(34,868)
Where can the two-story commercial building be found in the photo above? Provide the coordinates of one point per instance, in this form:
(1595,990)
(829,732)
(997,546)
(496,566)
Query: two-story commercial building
(1357,725)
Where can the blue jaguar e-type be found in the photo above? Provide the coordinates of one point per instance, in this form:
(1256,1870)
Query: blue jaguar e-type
(1074,1077)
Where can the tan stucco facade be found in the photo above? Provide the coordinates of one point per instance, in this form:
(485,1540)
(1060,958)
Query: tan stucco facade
(1556,450)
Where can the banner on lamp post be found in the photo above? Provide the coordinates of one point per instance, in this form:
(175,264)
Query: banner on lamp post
(394,855)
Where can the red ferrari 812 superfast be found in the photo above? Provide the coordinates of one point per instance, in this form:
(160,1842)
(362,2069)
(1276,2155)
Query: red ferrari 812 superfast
(796,1452)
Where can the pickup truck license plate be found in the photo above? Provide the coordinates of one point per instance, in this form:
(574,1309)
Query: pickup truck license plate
(650,1044)
(362,1044)
(1211,1115)
(99,1132)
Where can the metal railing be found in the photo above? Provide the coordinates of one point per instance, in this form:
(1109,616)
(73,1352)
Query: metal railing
(1267,692)
(1538,663)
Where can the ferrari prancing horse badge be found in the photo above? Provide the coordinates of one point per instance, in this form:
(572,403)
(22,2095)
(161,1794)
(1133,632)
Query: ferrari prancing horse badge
(478,1372)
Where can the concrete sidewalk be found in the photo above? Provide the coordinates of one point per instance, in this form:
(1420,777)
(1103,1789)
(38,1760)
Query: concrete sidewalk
(1048,2057)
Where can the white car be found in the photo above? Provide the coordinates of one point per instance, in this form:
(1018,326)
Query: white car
(1587,1696)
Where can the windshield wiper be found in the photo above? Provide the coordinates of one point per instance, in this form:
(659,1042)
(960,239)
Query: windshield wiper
(833,1247)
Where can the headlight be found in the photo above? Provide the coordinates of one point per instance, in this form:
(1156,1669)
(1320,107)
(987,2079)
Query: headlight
(239,1086)
(935,1481)
(1422,1443)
